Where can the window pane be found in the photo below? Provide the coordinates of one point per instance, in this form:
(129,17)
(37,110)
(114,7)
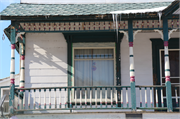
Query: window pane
(7,94)
(93,72)
(93,54)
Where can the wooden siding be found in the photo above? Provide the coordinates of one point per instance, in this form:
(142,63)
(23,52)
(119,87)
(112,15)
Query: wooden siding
(45,62)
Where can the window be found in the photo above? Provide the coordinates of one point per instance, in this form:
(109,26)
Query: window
(174,69)
(94,66)
(6,101)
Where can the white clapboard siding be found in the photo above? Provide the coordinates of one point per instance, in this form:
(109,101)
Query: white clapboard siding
(45,64)
(47,79)
(47,51)
(46,72)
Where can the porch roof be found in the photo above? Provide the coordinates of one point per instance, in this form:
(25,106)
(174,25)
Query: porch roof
(19,9)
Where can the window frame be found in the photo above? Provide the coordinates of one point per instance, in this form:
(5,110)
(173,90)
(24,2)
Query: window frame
(161,77)
(73,73)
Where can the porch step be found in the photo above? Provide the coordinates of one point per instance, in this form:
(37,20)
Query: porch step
(133,116)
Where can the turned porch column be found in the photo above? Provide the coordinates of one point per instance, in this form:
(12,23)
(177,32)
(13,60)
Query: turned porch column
(12,70)
(167,67)
(132,70)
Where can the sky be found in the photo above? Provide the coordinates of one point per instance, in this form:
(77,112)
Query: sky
(5,49)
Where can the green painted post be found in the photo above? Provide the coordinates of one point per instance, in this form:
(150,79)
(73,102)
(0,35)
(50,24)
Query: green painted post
(12,69)
(167,67)
(132,71)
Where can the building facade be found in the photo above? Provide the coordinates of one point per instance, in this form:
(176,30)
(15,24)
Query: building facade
(94,58)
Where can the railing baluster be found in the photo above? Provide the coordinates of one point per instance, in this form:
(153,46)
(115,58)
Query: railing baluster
(91,97)
(55,102)
(106,96)
(111,98)
(127,101)
(101,97)
(34,98)
(140,96)
(121,97)
(24,99)
(39,98)
(116,97)
(49,98)
(151,97)
(96,97)
(59,97)
(29,98)
(145,91)
(18,99)
(176,97)
(145,97)
(86,97)
(70,98)
(44,98)
(75,97)
(80,97)
(162,101)
(65,98)
(156,97)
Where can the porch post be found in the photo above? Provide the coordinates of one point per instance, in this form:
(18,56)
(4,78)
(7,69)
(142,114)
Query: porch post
(167,67)
(22,68)
(12,70)
(132,71)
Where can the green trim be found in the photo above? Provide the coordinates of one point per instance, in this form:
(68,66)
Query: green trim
(171,8)
(130,55)
(22,81)
(132,70)
(12,72)
(165,29)
(167,69)
(22,68)
(166,55)
(12,57)
(130,31)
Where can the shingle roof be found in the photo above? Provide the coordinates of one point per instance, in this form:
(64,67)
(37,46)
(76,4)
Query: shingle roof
(17,9)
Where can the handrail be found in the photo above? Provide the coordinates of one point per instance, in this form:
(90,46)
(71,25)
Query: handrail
(154,86)
(74,87)
(88,87)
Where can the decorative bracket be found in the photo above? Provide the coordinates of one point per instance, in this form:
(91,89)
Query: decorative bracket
(126,34)
(136,33)
(171,31)
(161,33)
(19,35)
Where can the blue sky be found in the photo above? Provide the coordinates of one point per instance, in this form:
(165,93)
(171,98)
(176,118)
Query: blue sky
(5,49)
